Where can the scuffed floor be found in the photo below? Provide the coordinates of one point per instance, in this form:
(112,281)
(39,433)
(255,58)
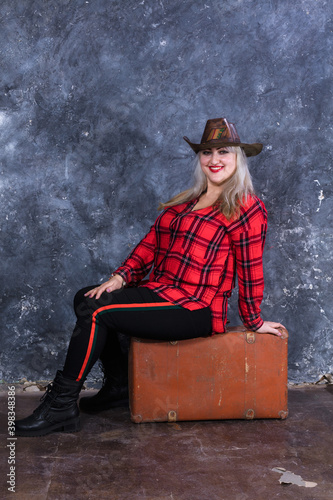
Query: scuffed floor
(112,458)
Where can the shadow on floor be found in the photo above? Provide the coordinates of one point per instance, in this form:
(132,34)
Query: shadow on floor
(112,458)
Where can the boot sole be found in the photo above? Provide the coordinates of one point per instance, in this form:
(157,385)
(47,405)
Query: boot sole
(69,426)
(109,406)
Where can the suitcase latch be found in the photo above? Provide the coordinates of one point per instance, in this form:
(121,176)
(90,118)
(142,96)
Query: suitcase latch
(250,337)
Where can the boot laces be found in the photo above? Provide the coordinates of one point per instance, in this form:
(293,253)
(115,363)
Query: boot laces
(47,398)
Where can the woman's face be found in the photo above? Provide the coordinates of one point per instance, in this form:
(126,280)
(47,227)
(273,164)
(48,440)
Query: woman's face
(218,164)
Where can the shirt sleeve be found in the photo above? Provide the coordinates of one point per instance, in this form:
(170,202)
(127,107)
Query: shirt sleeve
(248,239)
(140,260)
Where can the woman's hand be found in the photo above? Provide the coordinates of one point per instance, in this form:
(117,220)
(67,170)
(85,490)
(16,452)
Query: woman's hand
(270,327)
(114,283)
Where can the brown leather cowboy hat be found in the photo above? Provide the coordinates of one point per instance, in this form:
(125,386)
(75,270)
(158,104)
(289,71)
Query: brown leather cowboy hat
(219,133)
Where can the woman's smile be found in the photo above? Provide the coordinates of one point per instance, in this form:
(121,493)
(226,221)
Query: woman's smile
(215,169)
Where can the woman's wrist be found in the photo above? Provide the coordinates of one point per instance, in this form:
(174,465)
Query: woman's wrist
(120,278)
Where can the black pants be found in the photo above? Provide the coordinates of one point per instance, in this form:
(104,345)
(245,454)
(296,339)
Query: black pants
(136,312)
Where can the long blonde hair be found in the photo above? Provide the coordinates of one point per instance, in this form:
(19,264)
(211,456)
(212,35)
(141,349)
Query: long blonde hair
(235,189)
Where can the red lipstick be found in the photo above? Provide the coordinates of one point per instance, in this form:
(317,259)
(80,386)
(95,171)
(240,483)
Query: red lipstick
(216,168)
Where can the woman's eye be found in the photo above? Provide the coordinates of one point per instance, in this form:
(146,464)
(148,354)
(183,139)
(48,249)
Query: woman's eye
(223,152)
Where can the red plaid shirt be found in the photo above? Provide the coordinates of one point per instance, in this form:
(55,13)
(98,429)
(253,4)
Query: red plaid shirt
(195,256)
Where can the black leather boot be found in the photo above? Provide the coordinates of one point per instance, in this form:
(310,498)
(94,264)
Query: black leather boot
(58,411)
(114,391)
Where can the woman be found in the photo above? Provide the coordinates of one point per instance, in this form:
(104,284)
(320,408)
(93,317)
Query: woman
(202,237)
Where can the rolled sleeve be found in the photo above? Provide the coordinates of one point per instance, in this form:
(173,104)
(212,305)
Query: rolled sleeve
(140,260)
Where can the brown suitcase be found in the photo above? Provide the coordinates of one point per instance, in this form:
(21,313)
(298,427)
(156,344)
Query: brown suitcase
(236,375)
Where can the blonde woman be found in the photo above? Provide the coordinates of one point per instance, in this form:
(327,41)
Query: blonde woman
(202,239)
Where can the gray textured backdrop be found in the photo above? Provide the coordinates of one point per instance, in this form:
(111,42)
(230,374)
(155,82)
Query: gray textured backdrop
(95,98)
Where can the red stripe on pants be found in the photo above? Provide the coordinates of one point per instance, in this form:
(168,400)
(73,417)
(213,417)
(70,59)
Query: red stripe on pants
(150,305)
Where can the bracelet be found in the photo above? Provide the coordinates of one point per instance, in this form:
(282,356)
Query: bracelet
(123,283)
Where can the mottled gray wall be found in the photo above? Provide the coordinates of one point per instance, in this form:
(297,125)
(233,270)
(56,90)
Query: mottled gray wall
(95,98)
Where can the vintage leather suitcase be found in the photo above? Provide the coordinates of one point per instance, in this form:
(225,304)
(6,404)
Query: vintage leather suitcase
(236,375)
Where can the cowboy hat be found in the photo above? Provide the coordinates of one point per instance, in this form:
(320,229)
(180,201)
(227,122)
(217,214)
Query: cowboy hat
(220,133)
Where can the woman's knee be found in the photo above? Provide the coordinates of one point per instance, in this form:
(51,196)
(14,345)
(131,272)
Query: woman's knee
(80,298)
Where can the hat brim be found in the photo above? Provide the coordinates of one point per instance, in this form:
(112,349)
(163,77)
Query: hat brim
(249,149)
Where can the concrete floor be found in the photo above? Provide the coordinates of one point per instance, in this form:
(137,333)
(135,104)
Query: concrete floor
(112,458)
